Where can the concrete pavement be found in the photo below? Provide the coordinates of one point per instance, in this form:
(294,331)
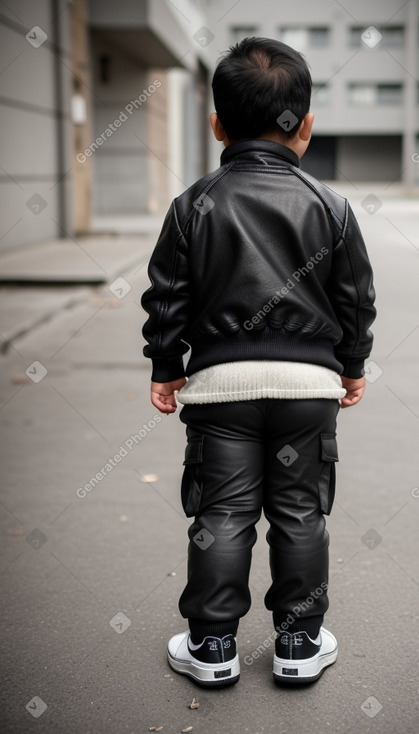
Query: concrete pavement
(66,266)
(90,579)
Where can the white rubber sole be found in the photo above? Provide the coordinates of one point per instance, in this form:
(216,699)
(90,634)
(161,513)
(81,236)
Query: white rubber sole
(309,670)
(207,674)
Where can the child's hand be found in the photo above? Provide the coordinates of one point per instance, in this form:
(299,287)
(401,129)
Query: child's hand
(354,391)
(163,394)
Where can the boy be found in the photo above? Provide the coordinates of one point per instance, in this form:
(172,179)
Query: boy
(263,272)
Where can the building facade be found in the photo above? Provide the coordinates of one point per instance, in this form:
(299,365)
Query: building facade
(365,69)
(104,106)
(98,101)
(35,146)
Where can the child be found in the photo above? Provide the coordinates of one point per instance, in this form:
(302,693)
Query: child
(262,271)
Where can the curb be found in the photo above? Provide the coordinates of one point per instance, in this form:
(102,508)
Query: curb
(22,329)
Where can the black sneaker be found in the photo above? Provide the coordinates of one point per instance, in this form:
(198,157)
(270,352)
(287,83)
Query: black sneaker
(213,663)
(299,659)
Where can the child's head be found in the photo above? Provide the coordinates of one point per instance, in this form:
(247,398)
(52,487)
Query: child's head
(254,83)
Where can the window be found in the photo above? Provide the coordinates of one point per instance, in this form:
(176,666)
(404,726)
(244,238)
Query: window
(355,36)
(239,32)
(370,95)
(303,38)
(318,37)
(392,36)
(294,37)
(362,94)
(320,94)
(389,94)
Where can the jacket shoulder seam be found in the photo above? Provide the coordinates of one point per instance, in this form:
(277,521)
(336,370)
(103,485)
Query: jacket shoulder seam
(327,206)
(207,188)
(177,221)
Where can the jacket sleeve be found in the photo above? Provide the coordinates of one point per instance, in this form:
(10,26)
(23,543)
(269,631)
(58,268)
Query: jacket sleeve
(351,292)
(167,302)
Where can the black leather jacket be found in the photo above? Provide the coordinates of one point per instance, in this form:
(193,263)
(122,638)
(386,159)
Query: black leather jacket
(258,260)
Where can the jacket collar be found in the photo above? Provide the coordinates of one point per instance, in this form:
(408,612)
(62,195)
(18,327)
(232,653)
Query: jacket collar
(250,149)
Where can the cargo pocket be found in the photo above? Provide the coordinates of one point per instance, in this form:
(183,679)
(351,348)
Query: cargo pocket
(327,476)
(191,487)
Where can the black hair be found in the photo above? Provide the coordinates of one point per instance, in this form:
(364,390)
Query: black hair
(258,81)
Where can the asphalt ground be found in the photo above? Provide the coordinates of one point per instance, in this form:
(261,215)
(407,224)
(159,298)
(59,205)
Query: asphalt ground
(89,581)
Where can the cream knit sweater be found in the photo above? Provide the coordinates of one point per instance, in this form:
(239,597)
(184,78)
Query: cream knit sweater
(250,380)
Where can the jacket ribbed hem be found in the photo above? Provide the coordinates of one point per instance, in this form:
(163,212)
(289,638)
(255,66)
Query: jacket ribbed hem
(277,346)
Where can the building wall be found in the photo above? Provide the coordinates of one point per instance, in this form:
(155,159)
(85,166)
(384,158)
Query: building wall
(36,141)
(132,170)
(129,171)
(354,157)
(156,152)
(341,61)
(82,129)
(178,81)
(120,163)
(46,192)
(358,156)
(46,155)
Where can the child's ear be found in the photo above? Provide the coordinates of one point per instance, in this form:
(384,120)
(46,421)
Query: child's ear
(217,127)
(304,131)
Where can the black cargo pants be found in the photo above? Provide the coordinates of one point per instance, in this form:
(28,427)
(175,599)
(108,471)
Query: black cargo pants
(242,457)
